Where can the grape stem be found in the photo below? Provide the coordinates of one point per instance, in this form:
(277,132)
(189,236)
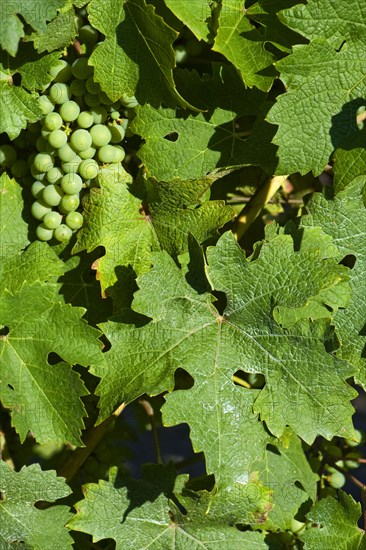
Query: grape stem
(240,381)
(92,437)
(150,413)
(254,207)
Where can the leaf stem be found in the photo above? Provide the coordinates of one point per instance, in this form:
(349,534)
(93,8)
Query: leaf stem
(260,198)
(150,413)
(92,437)
(240,381)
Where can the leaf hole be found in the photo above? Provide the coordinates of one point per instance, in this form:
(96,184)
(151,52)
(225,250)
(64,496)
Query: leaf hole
(4,331)
(349,261)
(11,387)
(183,380)
(53,358)
(221,301)
(17,79)
(173,136)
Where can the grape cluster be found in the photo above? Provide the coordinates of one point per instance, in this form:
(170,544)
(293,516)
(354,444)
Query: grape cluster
(340,460)
(81,131)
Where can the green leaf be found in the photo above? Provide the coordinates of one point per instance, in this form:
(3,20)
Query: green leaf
(34,12)
(19,104)
(350,238)
(195,15)
(13,228)
(24,525)
(137,57)
(44,397)
(241,44)
(192,146)
(129,227)
(187,331)
(330,517)
(143,514)
(350,161)
(312,121)
(266,14)
(336,22)
(286,470)
(58,34)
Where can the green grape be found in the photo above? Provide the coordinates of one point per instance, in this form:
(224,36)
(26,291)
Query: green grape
(72,166)
(61,72)
(69,111)
(39,209)
(333,450)
(19,168)
(71,184)
(100,135)
(74,220)
(53,121)
(59,93)
(7,155)
(88,153)
(79,21)
(180,53)
(339,463)
(106,154)
(43,233)
(92,100)
(77,88)
(57,139)
(80,68)
(352,443)
(85,119)
(89,169)
(117,133)
(351,461)
(62,233)
(52,220)
(39,176)
(80,140)
(256,380)
(99,114)
(37,189)
(41,144)
(297,527)
(336,480)
(104,99)
(66,153)
(88,35)
(52,195)
(119,153)
(124,123)
(92,86)
(54,175)
(115,106)
(115,115)
(69,203)
(43,162)
(286,537)
(129,102)
(46,105)
(45,133)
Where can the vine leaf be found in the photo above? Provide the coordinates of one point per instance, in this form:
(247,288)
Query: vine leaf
(350,238)
(331,516)
(187,331)
(137,57)
(34,12)
(130,221)
(144,514)
(195,15)
(307,137)
(22,523)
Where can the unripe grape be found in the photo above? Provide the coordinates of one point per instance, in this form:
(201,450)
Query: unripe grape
(74,220)
(88,153)
(129,101)
(43,233)
(41,144)
(7,155)
(59,93)
(43,162)
(352,443)
(52,220)
(57,139)
(92,100)
(99,114)
(53,121)
(100,135)
(89,169)
(54,175)
(39,209)
(85,119)
(62,233)
(37,189)
(52,195)
(46,105)
(92,86)
(117,133)
(72,166)
(77,88)
(66,153)
(297,527)
(69,111)
(69,203)
(80,140)
(61,72)
(88,35)
(336,480)
(80,68)
(71,184)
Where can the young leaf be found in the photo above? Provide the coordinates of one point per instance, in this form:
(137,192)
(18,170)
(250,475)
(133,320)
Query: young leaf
(24,525)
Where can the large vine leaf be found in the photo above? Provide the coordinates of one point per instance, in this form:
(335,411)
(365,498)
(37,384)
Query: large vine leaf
(59,33)
(287,472)
(240,42)
(19,103)
(350,161)
(24,525)
(34,12)
(344,218)
(195,15)
(13,228)
(143,514)
(334,525)
(44,397)
(312,121)
(335,21)
(137,57)
(159,215)
(205,141)
(187,331)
